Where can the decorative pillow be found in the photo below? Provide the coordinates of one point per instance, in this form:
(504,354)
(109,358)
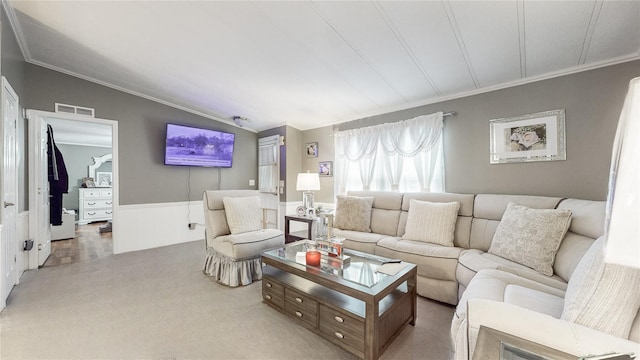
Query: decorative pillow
(353,213)
(605,297)
(243,213)
(531,237)
(431,222)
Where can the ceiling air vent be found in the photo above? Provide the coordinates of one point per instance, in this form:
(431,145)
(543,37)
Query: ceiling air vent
(72,109)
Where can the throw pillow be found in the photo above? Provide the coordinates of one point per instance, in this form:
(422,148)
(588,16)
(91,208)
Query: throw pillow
(243,213)
(353,213)
(530,237)
(605,297)
(431,222)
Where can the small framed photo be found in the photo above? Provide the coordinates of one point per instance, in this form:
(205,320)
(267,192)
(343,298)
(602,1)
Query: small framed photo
(525,138)
(311,149)
(325,168)
(103,179)
(88,182)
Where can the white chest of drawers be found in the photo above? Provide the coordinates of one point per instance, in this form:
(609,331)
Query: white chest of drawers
(96,204)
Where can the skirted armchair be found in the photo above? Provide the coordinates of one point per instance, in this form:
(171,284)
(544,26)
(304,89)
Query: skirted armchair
(235,235)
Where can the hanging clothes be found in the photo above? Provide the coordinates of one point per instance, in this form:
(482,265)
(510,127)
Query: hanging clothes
(58,179)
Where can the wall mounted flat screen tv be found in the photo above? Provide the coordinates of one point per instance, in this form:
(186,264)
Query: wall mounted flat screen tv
(190,146)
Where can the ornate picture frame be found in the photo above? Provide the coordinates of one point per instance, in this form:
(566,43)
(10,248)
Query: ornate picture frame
(325,168)
(311,149)
(531,137)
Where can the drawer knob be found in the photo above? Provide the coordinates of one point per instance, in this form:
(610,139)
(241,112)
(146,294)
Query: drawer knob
(339,319)
(269,285)
(299,300)
(339,335)
(268,297)
(298,314)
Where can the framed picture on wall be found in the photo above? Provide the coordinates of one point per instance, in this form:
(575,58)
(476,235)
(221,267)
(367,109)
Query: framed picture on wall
(103,179)
(325,168)
(311,149)
(525,138)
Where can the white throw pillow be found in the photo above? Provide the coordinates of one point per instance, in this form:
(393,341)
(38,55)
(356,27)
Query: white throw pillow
(431,222)
(353,213)
(243,213)
(605,297)
(530,237)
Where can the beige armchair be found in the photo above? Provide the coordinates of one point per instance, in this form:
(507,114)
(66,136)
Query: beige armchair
(236,235)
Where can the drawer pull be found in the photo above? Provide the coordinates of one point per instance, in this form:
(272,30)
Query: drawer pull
(109,202)
(108,212)
(269,285)
(339,335)
(299,300)
(268,297)
(339,319)
(298,314)
(91,213)
(91,203)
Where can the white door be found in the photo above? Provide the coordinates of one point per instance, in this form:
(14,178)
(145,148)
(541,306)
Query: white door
(9,190)
(39,228)
(269,177)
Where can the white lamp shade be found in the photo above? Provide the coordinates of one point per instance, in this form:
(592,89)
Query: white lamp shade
(622,226)
(308,181)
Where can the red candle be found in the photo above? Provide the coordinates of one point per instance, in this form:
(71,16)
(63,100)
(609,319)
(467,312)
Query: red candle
(313,257)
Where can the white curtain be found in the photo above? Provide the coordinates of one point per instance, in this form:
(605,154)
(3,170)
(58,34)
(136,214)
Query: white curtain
(268,168)
(380,151)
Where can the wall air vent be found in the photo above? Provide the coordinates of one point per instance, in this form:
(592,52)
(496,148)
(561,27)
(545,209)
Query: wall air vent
(72,109)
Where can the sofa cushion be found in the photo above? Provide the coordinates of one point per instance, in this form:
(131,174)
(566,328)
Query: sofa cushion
(353,213)
(538,301)
(243,213)
(605,297)
(431,222)
(471,261)
(531,237)
(357,240)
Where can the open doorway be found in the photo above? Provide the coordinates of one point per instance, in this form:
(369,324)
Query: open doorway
(89,149)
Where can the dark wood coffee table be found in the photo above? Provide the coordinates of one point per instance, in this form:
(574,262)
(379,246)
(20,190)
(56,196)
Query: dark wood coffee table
(354,307)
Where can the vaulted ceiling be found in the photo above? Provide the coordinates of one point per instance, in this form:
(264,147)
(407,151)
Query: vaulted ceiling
(314,63)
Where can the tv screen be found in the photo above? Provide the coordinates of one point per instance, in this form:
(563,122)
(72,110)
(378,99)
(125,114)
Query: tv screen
(190,146)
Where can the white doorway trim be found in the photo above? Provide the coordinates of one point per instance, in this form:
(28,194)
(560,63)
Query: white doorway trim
(33,165)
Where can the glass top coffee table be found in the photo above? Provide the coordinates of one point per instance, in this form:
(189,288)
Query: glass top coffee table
(350,303)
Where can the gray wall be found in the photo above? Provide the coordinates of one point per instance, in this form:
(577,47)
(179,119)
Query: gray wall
(141,131)
(592,100)
(77,159)
(14,69)
(323,136)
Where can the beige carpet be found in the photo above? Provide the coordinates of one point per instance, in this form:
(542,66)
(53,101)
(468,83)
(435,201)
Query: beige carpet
(157,304)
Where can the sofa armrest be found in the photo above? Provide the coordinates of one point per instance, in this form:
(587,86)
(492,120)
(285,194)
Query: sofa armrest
(542,329)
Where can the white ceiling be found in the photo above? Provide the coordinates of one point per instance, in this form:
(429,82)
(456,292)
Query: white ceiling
(311,64)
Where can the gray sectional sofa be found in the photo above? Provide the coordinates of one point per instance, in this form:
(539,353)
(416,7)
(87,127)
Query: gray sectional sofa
(470,276)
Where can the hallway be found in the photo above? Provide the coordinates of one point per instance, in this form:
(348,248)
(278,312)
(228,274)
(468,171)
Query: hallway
(88,245)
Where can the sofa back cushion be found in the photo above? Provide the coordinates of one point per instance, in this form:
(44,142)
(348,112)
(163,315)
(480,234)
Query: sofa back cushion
(602,296)
(431,222)
(385,211)
(463,222)
(488,210)
(587,224)
(243,213)
(531,237)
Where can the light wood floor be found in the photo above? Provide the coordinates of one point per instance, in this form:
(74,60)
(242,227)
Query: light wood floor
(88,245)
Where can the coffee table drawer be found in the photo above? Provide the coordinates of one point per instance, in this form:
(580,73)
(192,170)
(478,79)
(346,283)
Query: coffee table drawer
(339,321)
(301,313)
(302,301)
(341,335)
(273,293)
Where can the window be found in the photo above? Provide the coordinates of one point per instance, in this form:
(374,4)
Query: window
(404,156)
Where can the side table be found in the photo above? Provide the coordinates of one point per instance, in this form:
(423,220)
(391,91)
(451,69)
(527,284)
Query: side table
(290,237)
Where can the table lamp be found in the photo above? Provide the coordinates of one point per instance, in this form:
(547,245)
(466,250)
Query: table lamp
(307,182)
